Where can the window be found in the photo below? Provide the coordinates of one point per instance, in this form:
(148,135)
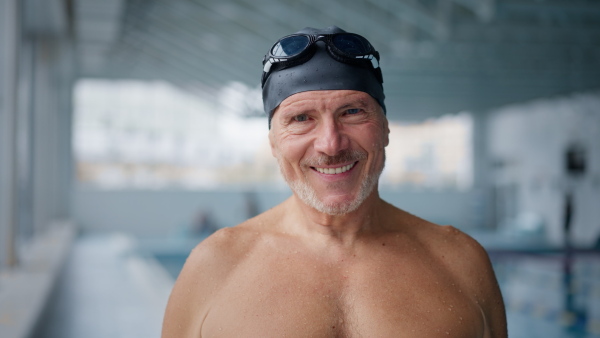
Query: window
(436,153)
(133,134)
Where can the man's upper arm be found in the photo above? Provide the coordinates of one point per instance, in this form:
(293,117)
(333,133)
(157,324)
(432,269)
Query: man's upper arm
(482,278)
(204,271)
(493,306)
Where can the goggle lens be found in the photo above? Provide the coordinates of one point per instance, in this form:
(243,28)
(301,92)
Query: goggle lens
(290,46)
(352,44)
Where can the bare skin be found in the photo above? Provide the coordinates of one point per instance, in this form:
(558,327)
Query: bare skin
(373,271)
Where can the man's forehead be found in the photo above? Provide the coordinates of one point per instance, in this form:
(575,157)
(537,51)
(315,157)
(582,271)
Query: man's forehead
(328,98)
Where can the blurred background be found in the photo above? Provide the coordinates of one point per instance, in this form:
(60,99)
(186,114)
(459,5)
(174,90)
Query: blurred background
(132,129)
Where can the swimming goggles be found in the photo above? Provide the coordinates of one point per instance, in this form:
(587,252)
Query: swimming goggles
(296,49)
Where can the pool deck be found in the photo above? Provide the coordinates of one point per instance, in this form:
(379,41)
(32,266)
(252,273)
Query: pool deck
(24,290)
(107,290)
(91,286)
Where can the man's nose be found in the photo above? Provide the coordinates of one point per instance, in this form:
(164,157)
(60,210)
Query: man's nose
(330,139)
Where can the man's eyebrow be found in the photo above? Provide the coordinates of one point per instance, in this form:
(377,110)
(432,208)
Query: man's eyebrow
(294,111)
(293,108)
(360,103)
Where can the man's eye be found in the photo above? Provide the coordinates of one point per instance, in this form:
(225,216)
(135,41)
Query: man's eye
(352,111)
(301,118)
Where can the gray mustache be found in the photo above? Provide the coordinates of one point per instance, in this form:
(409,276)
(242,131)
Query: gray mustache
(343,157)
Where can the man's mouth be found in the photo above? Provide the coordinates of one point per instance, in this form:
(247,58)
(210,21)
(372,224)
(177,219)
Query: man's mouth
(338,170)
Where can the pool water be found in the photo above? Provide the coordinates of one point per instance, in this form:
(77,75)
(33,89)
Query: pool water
(173,263)
(546,295)
(550,295)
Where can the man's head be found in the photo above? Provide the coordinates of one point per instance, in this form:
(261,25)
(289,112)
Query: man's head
(320,59)
(329,129)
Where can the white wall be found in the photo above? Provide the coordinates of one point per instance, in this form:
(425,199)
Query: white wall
(165,212)
(529,140)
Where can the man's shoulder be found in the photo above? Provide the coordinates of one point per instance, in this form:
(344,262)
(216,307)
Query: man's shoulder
(228,245)
(463,247)
(456,249)
(432,235)
(470,267)
(454,246)
(206,271)
(469,262)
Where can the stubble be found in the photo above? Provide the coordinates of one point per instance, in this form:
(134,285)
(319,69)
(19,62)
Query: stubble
(308,194)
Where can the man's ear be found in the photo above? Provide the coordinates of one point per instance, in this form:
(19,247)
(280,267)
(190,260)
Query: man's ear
(386,131)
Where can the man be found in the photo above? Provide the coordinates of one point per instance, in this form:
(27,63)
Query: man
(333,260)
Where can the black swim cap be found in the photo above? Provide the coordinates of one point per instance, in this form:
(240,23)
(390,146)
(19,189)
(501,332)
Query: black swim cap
(320,72)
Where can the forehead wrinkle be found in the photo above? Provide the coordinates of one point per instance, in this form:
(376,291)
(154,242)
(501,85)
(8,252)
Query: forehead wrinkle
(327,100)
(298,105)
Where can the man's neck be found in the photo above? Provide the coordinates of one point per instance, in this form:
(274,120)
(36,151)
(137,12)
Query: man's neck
(345,228)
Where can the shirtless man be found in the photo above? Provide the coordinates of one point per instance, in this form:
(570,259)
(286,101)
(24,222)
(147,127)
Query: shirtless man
(333,260)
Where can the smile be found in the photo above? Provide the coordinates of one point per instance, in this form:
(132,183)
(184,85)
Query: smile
(332,171)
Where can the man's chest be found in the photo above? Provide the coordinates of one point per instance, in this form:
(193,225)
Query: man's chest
(278,300)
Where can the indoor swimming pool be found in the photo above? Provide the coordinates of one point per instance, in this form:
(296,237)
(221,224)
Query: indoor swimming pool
(550,295)
(546,295)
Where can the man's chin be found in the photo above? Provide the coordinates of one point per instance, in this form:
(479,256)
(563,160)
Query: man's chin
(334,205)
(337,208)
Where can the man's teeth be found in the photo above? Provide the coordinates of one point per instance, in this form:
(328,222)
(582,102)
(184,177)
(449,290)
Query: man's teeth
(335,170)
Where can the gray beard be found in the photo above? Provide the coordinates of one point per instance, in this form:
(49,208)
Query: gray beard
(308,195)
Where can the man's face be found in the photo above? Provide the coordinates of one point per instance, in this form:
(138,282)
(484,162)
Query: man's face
(330,146)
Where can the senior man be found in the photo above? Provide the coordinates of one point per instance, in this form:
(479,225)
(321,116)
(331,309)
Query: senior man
(333,260)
